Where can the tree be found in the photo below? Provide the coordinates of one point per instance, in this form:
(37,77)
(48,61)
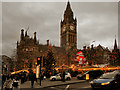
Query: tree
(50,63)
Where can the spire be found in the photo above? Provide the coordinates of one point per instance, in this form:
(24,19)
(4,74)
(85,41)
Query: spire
(26,31)
(68,8)
(115,45)
(68,14)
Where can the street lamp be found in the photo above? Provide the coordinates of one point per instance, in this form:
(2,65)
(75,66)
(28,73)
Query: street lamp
(42,57)
(58,62)
(40,66)
(68,59)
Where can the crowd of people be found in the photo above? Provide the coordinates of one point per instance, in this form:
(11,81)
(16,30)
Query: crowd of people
(14,80)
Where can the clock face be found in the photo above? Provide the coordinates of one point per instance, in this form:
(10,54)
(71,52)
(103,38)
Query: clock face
(72,27)
(64,28)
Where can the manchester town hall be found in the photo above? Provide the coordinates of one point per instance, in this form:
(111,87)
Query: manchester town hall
(28,49)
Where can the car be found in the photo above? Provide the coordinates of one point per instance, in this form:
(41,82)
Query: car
(107,81)
(58,76)
(93,74)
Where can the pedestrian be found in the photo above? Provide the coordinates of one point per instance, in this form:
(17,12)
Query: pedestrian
(63,76)
(24,74)
(32,78)
(22,78)
(16,83)
(3,78)
(8,84)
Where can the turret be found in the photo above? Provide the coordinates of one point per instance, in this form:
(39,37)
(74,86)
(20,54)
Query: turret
(84,47)
(34,36)
(115,45)
(92,46)
(22,34)
(25,33)
(47,42)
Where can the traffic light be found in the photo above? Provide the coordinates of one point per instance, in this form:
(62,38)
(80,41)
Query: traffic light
(38,60)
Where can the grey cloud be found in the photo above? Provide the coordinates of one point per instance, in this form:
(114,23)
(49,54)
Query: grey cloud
(95,21)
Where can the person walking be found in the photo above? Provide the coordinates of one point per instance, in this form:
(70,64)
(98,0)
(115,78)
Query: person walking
(16,83)
(63,76)
(32,78)
(8,84)
(22,78)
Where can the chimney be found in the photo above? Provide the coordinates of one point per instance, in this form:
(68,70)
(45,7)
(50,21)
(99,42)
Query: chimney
(25,33)
(88,48)
(92,46)
(47,42)
(84,47)
(22,34)
(35,36)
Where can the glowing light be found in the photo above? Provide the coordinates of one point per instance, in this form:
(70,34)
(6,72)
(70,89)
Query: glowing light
(87,76)
(105,83)
(38,58)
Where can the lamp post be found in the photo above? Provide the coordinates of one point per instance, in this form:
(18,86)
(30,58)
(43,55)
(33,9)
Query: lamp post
(68,59)
(40,66)
(58,62)
(42,57)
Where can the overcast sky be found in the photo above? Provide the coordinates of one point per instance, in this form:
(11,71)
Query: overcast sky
(96,21)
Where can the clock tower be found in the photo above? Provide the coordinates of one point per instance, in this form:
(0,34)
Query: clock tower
(68,29)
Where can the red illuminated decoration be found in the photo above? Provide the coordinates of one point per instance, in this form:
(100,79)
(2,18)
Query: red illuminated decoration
(80,57)
(80,53)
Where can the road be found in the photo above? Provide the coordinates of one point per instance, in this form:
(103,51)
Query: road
(76,86)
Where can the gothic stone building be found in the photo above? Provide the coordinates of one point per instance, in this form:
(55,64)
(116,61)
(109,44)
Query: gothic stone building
(28,49)
(96,55)
(115,55)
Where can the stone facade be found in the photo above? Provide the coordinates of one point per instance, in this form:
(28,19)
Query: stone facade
(115,55)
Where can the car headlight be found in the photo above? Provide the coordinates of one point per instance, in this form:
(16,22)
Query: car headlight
(105,83)
(80,76)
(91,82)
(50,77)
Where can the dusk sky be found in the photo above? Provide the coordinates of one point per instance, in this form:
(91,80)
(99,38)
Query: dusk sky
(96,21)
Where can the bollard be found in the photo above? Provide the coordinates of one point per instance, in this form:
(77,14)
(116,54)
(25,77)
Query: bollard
(87,76)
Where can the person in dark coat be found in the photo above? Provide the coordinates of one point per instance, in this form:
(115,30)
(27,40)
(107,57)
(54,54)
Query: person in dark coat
(32,78)
(63,76)
(22,78)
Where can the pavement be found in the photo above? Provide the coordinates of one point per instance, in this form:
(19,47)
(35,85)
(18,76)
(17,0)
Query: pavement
(48,83)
